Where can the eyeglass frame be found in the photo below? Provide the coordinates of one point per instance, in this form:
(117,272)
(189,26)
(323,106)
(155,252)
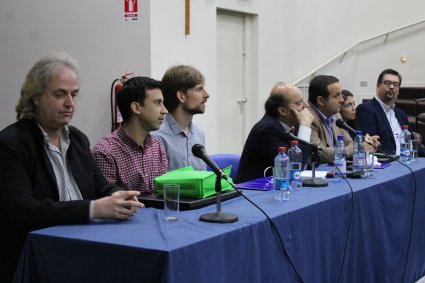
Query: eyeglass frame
(389,83)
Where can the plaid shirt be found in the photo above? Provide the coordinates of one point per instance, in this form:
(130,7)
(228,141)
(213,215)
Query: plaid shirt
(129,165)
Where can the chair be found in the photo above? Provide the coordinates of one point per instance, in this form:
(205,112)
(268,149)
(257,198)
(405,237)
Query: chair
(224,160)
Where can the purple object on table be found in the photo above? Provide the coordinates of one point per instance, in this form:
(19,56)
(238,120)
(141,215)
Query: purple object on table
(260,184)
(382,166)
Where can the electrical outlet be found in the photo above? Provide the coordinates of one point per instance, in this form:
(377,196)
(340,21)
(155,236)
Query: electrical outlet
(363,83)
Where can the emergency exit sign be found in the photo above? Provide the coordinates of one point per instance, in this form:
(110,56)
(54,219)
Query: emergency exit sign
(131,10)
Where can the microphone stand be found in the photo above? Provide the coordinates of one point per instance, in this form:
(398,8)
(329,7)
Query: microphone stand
(314,182)
(218,217)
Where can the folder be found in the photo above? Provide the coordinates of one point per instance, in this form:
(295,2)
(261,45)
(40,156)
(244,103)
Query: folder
(193,183)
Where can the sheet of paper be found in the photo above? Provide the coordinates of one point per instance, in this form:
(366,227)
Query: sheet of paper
(308,174)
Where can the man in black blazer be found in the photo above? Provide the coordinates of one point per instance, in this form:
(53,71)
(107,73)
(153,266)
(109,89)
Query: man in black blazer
(380,116)
(285,108)
(48,175)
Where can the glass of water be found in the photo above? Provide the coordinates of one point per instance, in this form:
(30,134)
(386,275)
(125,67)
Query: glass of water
(369,162)
(415,147)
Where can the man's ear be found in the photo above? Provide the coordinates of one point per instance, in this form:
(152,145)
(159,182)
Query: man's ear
(283,111)
(320,101)
(181,96)
(35,101)
(135,107)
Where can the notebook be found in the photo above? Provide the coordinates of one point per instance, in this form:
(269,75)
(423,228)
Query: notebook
(188,203)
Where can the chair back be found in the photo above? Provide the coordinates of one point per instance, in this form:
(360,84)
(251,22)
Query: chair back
(225,159)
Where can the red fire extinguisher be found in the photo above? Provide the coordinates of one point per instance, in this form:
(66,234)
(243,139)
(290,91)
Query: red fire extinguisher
(115,112)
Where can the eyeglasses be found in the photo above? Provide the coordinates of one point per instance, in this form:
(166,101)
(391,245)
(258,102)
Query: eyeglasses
(389,83)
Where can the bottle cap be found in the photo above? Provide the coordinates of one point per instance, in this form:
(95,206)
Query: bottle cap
(294,142)
(282,149)
(359,133)
(341,138)
(405,126)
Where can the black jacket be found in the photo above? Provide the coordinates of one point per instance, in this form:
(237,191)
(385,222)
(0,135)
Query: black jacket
(29,197)
(261,147)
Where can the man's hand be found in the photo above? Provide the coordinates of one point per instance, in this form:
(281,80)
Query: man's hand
(304,117)
(373,142)
(120,205)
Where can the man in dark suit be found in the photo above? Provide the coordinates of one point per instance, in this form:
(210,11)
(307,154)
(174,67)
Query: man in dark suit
(285,108)
(380,116)
(48,175)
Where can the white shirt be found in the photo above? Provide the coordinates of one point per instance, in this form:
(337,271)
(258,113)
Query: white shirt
(395,125)
(304,132)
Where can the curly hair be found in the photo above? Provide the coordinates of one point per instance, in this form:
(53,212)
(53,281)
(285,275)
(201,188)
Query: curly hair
(38,78)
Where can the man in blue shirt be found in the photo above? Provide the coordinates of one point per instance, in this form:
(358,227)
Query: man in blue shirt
(324,95)
(184,96)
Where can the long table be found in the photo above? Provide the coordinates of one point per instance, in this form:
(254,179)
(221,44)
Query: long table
(329,234)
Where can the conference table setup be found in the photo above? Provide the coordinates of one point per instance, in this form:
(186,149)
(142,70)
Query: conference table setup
(374,232)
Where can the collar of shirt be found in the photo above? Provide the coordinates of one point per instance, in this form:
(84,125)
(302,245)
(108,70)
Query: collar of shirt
(122,134)
(385,107)
(174,126)
(322,116)
(64,134)
(285,127)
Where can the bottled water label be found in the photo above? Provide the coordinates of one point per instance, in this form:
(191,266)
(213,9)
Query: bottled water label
(296,183)
(359,161)
(281,184)
(405,153)
(340,167)
(405,145)
(281,189)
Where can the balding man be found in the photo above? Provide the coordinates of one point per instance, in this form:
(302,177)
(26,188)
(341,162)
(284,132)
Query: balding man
(285,109)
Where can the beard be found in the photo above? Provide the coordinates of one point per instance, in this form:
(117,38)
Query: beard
(195,111)
(390,96)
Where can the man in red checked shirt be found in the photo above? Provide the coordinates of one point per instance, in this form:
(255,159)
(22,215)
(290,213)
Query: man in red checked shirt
(130,157)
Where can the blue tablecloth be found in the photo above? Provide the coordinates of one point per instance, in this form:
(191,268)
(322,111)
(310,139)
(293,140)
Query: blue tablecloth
(313,224)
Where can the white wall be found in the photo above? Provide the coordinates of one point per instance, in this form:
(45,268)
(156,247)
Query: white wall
(326,32)
(293,38)
(93,32)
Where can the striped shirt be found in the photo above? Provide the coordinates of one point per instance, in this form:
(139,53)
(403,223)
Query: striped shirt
(129,165)
(67,187)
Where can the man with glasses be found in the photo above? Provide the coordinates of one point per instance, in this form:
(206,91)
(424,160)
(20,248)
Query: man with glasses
(380,116)
(285,109)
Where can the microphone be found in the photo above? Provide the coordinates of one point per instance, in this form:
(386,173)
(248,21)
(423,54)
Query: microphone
(291,136)
(310,182)
(214,217)
(343,125)
(199,151)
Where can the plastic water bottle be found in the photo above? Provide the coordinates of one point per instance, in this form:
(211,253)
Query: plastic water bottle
(339,160)
(405,145)
(295,165)
(359,155)
(281,175)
